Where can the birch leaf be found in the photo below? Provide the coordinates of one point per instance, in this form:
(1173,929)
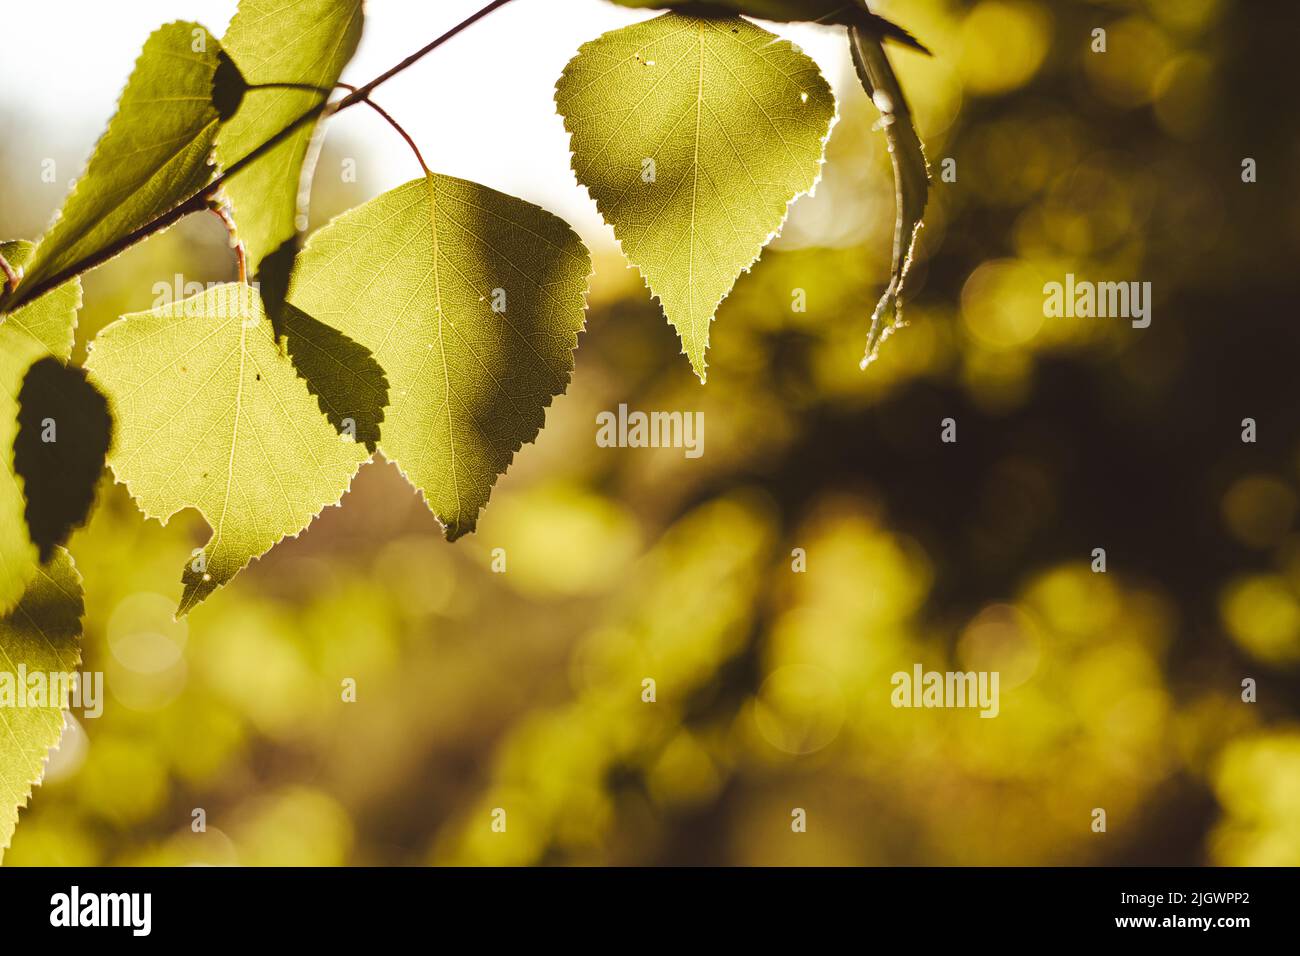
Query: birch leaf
(154,154)
(471,301)
(294,53)
(693,135)
(42,636)
(212,415)
(834,12)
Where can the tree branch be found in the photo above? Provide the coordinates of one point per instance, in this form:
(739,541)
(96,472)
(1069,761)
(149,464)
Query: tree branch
(362,92)
(200,200)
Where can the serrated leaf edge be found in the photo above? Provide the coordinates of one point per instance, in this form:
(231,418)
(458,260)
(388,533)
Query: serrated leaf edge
(702,373)
(24,799)
(183,608)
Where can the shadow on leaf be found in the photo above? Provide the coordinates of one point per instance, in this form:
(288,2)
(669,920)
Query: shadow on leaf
(228,87)
(273,282)
(349,384)
(64,433)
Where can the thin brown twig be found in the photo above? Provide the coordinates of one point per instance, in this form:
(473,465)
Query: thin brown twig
(394,124)
(200,200)
(222,212)
(11,275)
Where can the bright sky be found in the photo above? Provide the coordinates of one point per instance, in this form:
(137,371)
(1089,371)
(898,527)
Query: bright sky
(480,107)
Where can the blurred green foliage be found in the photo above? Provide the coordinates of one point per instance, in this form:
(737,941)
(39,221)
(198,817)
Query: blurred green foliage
(523,690)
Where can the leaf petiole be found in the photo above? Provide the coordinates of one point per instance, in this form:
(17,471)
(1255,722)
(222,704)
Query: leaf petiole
(11,275)
(222,212)
(394,124)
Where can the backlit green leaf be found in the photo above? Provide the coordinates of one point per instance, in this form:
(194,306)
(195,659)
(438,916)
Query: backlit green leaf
(41,635)
(471,301)
(212,415)
(295,52)
(836,12)
(693,135)
(154,154)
